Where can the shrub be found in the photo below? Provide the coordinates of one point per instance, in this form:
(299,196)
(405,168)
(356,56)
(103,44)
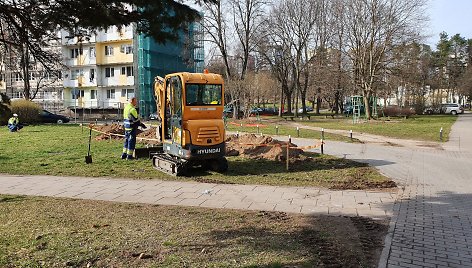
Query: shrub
(398,111)
(5,112)
(28,111)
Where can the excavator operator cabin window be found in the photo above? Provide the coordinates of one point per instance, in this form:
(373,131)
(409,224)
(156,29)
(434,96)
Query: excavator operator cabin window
(203,95)
(177,95)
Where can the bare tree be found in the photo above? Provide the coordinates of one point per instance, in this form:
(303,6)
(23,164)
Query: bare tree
(247,20)
(216,29)
(288,33)
(374,28)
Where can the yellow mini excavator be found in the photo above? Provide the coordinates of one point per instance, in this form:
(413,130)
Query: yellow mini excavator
(190,108)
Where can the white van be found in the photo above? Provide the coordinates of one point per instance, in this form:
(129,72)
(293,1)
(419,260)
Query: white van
(452,108)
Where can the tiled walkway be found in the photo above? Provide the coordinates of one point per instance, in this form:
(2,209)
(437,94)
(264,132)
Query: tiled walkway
(304,200)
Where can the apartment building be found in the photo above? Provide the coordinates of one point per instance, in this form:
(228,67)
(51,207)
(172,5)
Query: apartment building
(45,85)
(100,71)
(108,67)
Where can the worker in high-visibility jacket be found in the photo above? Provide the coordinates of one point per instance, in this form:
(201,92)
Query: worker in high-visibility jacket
(131,123)
(14,123)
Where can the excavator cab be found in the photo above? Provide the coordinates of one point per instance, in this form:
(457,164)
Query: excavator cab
(190,107)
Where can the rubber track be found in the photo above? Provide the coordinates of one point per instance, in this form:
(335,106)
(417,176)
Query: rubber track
(178,162)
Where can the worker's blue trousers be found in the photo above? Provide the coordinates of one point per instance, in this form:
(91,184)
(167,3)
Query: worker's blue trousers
(130,142)
(14,128)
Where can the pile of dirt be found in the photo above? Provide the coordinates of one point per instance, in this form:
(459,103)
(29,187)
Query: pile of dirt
(149,133)
(261,147)
(109,129)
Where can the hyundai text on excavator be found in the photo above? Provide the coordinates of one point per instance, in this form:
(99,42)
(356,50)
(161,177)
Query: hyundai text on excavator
(190,108)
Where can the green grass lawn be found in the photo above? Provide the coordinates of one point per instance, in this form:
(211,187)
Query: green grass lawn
(275,126)
(419,127)
(60,150)
(59,232)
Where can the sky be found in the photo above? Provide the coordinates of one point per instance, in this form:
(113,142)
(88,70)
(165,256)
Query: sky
(450,16)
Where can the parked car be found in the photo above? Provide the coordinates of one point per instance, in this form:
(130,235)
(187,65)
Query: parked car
(445,108)
(308,109)
(153,116)
(228,112)
(452,108)
(432,110)
(264,111)
(48,117)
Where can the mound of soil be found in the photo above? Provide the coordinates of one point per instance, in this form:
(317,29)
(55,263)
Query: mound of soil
(109,129)
(261,147)
(149,133)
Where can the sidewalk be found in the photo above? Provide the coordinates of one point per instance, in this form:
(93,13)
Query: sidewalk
(305,200)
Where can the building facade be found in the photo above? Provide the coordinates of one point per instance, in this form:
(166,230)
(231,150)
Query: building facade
(112,65)
(100,71)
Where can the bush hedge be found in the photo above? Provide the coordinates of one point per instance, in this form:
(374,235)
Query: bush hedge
(5,112)
(28,111)
(398,111)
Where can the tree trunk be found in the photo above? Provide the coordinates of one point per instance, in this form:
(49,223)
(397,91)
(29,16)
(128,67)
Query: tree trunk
(336,102)
(281,101)
(25,70)
(367,108)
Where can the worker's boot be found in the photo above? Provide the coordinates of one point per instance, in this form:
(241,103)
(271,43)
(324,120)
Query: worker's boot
(123,156)
(129,157)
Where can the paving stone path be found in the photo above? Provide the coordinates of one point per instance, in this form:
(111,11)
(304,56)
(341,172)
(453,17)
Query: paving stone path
(306,200)
(432,220)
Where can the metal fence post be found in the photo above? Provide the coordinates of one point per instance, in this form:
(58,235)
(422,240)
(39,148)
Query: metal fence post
(288,152)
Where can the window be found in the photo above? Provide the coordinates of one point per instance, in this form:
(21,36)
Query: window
(177,95)
(203,94)
(92,75)
(110,93)
(74,52)
(127,49)
(32,76)
(127,70)
(77,94)
(93,94)
(92,53)
(127,92)
(108,51)
(74,74)
(109,72)
(16,77)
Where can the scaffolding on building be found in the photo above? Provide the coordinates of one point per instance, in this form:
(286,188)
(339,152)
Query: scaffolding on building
(155,59)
